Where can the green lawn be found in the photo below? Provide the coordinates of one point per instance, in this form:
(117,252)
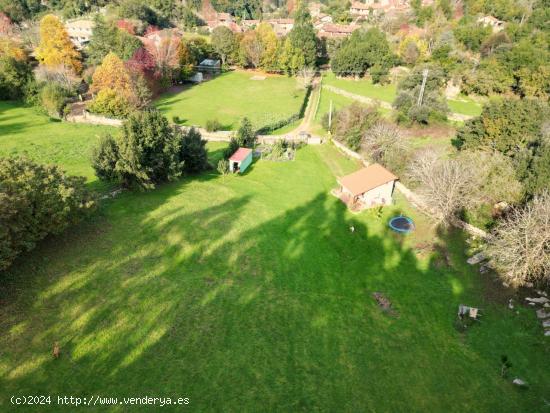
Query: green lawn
(23,131)
(249,293)
(230,97)
(386,93)
(465,106)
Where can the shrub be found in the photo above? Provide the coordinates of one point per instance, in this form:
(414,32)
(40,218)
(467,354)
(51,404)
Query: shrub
(518,248)
(110,103)
(350,123)
(223,166)
(53,98)
(104,158)
(176,119)
(35,201)
(14,75)
(213,125)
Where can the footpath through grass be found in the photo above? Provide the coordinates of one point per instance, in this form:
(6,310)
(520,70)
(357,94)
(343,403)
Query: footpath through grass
(248,293)
(25,132)
(230,97)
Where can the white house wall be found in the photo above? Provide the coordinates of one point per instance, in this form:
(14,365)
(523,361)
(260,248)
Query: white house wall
(381,195)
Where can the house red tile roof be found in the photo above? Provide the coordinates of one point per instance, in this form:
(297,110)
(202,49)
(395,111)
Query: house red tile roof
(240,154)
(336,30)
(366,179)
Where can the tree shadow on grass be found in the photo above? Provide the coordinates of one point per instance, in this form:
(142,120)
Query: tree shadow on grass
(243,314)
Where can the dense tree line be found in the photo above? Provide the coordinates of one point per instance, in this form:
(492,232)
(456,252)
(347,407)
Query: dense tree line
(518,129)
(261,48)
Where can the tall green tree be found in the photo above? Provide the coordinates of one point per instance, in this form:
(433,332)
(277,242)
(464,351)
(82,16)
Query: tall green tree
(193,152)
(246,136)
(361,52)
(302,36)
(149,150)
(107,38)
(224,43)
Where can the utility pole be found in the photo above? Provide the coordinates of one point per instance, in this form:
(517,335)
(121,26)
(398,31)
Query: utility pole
(330,115)
(423,87)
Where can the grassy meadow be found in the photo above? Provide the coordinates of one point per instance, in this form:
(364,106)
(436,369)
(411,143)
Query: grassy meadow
(248,293)
(230,97)
(463,105)
(25,132)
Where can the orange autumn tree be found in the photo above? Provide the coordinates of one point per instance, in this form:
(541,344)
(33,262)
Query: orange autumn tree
(112,74)
(55,47)
(112,84)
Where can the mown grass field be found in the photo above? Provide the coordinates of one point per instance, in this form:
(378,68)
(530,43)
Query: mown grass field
(230,97)
(25,132)
(386,93)
(249,293)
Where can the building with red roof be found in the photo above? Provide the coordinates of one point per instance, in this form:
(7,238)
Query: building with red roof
(240,160)
(367,187)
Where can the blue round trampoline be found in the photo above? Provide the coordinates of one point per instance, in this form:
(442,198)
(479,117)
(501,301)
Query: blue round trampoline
(401,224)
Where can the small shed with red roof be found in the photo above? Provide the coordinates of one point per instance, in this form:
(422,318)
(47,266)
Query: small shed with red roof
(240,160)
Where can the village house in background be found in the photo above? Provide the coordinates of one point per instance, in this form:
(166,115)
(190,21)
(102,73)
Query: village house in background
(336,31)
(80,31)
(368,187)
(495,24)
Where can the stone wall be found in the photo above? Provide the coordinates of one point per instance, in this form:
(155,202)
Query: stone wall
(92,119)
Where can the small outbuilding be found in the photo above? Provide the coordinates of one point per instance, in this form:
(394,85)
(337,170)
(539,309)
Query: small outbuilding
(240,160)
(212,66)
(367,187)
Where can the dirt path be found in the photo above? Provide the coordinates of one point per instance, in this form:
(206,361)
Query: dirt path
(309,115)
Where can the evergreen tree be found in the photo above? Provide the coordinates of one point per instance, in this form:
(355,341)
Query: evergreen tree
(149,150)
(507,126)
(193,152)
(104,158)
(302,36)
(246,136)
(433,105)
(109,38)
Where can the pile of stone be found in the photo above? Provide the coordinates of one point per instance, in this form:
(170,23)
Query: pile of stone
(543,313)
(480,258)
